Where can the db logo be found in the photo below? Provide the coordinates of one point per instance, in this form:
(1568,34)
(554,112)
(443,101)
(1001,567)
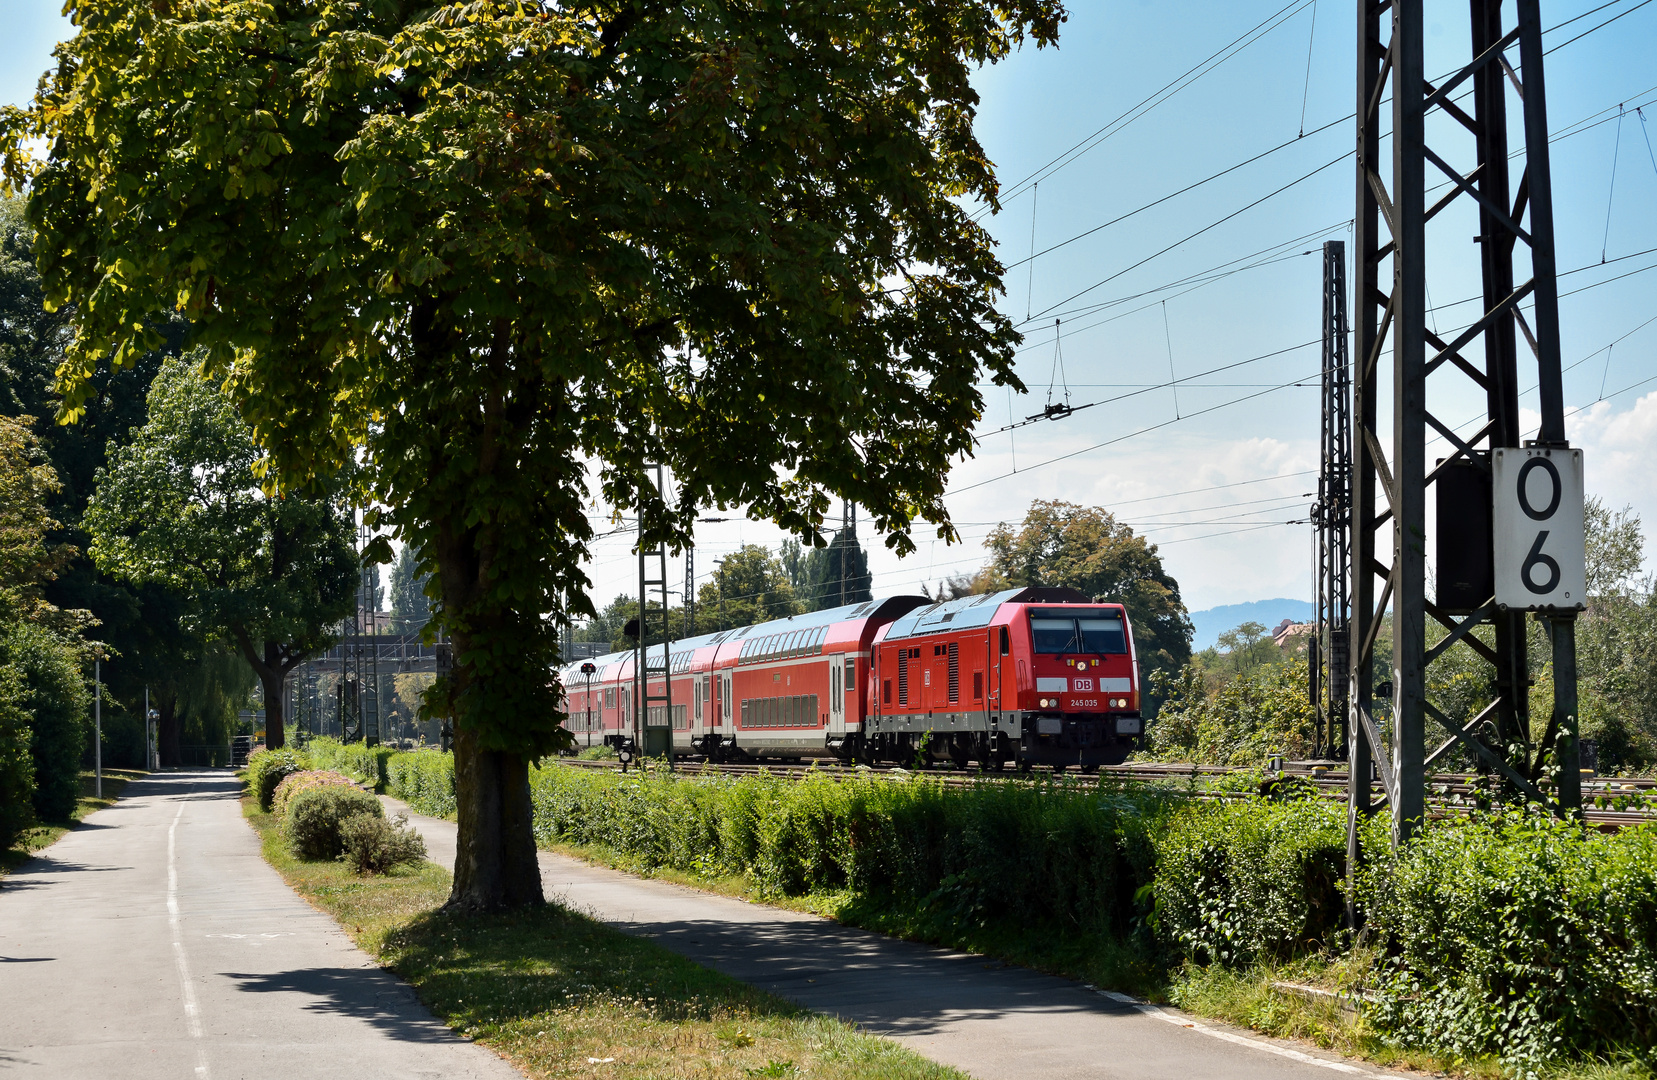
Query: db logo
(1082,684)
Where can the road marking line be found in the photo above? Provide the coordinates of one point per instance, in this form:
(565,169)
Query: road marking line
(1240,1040)
(192,1012)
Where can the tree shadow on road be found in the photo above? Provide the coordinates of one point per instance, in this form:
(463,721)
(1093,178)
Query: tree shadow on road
(362,994)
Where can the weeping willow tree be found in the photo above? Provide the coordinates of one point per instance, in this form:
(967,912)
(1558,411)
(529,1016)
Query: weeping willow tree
(211,692)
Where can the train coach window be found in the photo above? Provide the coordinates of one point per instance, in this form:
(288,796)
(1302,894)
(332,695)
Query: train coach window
(1006,642)
(609,697)
(1103,636)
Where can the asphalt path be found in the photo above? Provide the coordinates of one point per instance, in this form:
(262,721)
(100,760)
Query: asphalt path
(155,942)
(995,1021)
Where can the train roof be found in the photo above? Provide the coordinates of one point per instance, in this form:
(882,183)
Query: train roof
(975,612)
(681,648)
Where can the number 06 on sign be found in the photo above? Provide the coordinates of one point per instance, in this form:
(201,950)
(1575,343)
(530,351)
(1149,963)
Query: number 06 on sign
(1540,563)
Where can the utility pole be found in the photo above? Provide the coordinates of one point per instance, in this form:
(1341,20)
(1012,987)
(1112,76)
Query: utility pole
(1494,491)
(148,737)
(1332,516)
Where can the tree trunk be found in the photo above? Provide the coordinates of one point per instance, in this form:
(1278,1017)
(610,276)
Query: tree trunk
(167,730)
(495,865)
(274,679)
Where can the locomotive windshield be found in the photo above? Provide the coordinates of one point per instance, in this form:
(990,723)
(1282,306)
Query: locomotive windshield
(1055,632)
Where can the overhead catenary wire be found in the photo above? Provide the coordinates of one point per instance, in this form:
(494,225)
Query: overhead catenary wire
(1151,101)
(1306,87)
(1611,189)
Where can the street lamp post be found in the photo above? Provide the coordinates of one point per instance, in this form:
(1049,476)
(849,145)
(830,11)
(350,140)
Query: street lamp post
(98,723)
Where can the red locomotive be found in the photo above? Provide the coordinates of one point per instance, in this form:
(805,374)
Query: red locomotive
(1027,676)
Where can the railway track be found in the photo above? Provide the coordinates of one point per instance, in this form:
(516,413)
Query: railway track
(1448,793)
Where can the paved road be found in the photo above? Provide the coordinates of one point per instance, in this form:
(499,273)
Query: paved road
(997,1022)
(155,942)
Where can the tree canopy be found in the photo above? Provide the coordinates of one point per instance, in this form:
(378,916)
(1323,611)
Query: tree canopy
(475,245)
(1086,548)
(750,585)
(181,506)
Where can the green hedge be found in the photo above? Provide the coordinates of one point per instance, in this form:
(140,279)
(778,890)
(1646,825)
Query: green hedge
(361,762)
(268,768)
(425,779)
(57,698)
(1519,936)
(1511,934)
(17,770)
(1070,858)
(1240,881)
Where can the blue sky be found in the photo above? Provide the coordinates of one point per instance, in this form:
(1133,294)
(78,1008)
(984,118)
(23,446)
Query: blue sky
(1241,450)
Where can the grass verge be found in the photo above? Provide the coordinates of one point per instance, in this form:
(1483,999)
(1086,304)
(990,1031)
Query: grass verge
(559,994)
(44,836)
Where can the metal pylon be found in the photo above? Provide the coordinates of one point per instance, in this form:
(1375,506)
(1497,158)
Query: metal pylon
(1330,670)
(1391,227)
(643,670)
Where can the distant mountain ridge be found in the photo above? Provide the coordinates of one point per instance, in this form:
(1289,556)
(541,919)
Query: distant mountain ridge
(1212,622)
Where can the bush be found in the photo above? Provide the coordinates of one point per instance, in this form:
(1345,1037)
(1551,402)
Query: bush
(294,783)
(268,768)
(1072,858)
(1517,935)
(358,760)
(425,779)
(314,816)
(17,781)
(59,703)
(1247,880)
(374,845)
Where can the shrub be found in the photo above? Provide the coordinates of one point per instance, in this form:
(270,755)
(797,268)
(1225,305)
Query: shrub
(312,822)
(1068,857)
(357,760)
(59,703)
(374,845)
(294,783)
(17,782)
(1240,881)
(1517,935)
(267,768)
(425,779)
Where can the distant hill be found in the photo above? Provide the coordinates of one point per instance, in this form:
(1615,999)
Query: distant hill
(1210,624)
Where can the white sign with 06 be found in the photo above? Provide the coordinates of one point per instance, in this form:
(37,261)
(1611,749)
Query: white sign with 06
(1539,549)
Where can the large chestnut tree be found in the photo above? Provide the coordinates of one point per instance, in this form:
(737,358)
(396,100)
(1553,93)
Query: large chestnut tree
(495,249)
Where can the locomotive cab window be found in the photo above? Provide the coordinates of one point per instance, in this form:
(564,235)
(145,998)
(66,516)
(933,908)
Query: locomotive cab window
(1103,635)
(1051,634)
(1056,632)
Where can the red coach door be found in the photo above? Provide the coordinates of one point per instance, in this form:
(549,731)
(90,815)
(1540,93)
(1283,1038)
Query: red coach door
(837,696)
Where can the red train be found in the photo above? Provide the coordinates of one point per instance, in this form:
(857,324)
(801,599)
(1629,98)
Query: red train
(1027,676)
